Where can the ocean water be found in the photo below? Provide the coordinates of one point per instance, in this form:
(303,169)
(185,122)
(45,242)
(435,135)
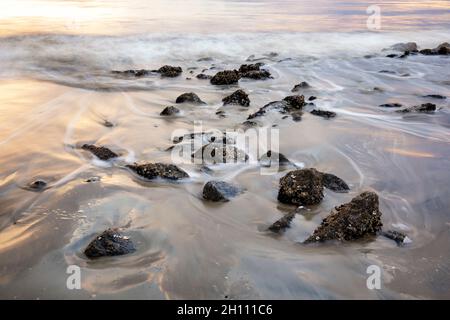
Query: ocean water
(57,89)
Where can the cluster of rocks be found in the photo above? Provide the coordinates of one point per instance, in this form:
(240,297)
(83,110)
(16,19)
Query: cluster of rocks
(165,71)
(411,48)
(249,71)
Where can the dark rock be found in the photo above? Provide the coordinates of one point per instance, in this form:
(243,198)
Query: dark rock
(435,96)
(169,71)
(301,187)
(92,179)
(442,49)
(396,236)
(270,157)
(170,111)
(405,54)
(218,191)
(109,243)
(250,67)
(238,97)
(323,113)
(102,153)
(289,104)
(283,223)
(424,108)
(37,185)
(301,85)
(203,76)
(312,98)
(392,55)
(226,77)
(387,71)
(257,75)
(158,170)
(391,105)
(334,183)
(351,221)
(134,73)
(189,97)
(220,153)
(108,124)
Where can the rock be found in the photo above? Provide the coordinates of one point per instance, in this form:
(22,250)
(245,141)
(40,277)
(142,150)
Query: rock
(357,219)
(220,191)
(158,170)
(270,157)
(297,116)
(391,105)
(189,98)
(37,185)
(398,237)
(203,76)
(409,46)
(169,71)
(301,187)
(301,85)
(220,153)
(250,67)
(226,77)
(100,152)
(257,75)
(424,108)
(134,73)
(108,124)
(323,113)
(93,179)
(334,183)
(312,98)
(109,243)
(238,97)
(442,49)
(435,96)
(289,104)
(170,111)
(393,55)
(387,71)
(283,223)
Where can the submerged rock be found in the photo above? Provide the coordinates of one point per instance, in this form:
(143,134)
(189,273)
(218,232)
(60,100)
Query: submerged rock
(220,153)
(334,183)
(238,97)
(158,170)
(301,85)
(226,77)
(37,185)
(283,223)
(359,218)
(108,124)
(391,105)
(442,49)
(220,191)
(424,108)
(189,97)
(203,76)
(301,187)
(134,73)
(323,113)
(102,153)
(109,243)
(435,96)
(398,237)
(270,158)
(170,111)
(170,71)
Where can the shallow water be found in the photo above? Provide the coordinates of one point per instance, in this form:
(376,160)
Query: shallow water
(56,89)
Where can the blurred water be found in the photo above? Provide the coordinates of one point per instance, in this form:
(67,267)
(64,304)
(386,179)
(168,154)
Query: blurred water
(56,90)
